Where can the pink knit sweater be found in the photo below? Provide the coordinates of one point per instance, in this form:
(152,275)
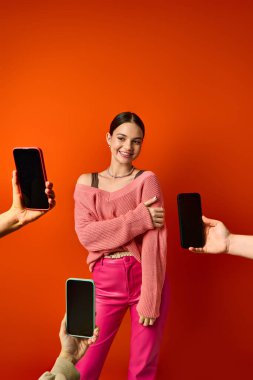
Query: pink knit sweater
(108,222)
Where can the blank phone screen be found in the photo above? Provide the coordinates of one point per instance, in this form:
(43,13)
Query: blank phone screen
(31,178)
(80,307)
(190,220)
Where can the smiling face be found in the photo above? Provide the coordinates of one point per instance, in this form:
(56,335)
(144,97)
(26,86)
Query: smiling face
(125,142)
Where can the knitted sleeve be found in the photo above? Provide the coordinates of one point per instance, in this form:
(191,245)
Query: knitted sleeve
(96,235)
(153,258)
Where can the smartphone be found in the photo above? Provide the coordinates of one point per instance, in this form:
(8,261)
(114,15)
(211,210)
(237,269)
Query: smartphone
(80,307)
(190,220)
(32,177)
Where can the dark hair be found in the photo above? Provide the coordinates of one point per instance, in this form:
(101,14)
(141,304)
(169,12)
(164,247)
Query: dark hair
(126,117)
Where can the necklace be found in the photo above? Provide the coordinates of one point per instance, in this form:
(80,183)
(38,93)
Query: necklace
(121,176)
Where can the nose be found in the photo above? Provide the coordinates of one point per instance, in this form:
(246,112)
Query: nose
(128,145)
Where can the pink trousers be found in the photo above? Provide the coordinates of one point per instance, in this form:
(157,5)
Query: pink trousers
(118,284)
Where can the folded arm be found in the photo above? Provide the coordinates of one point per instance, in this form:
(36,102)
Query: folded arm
(109,234)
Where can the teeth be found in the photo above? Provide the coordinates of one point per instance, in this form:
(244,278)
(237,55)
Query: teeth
(125,154)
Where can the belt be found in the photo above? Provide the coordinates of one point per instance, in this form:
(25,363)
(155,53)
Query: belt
(118,255)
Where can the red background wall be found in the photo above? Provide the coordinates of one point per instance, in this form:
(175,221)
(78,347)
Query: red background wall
(67,67)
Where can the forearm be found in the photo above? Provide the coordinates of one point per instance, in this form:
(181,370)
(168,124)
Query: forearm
(64,367)
(153,261)
(241,245)
(9,222)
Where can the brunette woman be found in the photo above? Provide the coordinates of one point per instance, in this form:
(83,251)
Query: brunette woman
(119,219)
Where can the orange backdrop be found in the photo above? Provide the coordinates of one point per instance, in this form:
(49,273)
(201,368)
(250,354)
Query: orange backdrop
(67,67)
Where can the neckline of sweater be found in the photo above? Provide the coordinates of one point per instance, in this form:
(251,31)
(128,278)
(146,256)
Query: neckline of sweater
(134,182)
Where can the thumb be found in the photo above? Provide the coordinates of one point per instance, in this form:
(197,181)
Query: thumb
(63,329)
(210,222)
(15,188)
(150,201)
(16,194)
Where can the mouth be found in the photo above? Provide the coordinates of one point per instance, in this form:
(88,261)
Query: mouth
(125,155)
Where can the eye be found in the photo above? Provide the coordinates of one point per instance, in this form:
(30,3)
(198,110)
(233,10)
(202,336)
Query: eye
(137,142)
(120,138)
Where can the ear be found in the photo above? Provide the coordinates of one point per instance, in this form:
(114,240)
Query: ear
(108,138)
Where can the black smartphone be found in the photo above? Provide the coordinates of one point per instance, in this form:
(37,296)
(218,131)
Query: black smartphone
(190,220)
(32,177)
(80,307)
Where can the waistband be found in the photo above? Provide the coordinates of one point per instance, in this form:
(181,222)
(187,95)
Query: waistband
(118,255)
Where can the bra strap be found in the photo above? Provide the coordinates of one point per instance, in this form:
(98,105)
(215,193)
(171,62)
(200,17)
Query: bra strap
(139,173)
(94,180)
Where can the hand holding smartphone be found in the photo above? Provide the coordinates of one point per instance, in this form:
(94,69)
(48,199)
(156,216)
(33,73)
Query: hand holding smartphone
(80,307)
(190,220)
(32,177)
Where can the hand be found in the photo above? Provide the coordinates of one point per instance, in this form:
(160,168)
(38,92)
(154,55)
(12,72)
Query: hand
(26,216)
(146,321)
(156,213)
(217,237)
(73,348)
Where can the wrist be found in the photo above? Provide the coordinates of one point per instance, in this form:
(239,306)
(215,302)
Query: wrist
(17,216)
(230,240)
(68,357)
(146,217)
(9,222)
